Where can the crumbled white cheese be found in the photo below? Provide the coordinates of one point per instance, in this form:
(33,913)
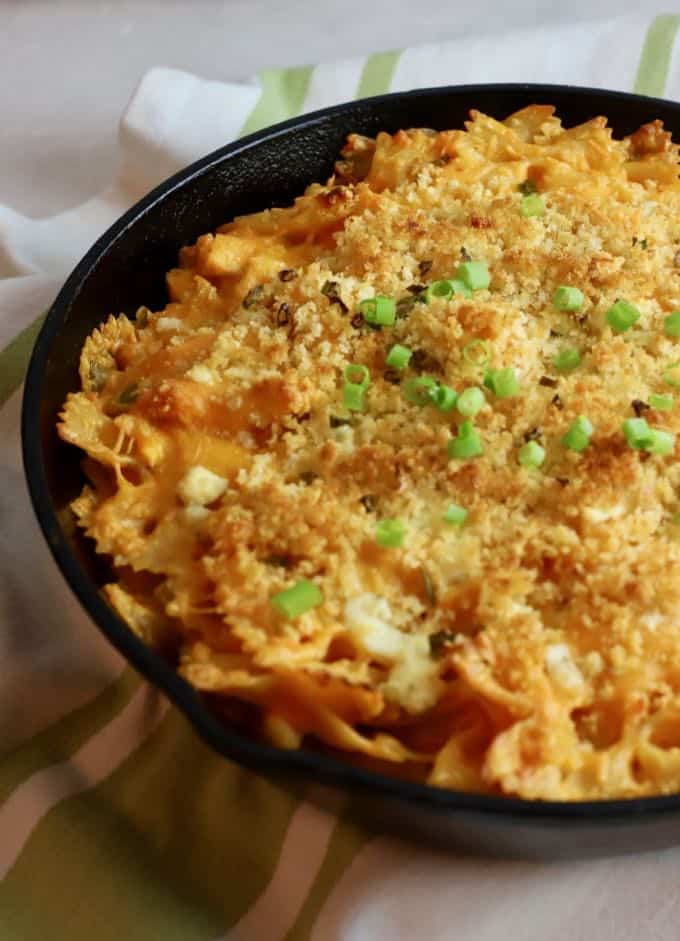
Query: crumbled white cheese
(651,620)
(593,663)
(169,323)
(200,486)
(368,616)
(201,373)
(413,681)
(600,514)
(343,438)
(365,292)
(561,667)
(195,513)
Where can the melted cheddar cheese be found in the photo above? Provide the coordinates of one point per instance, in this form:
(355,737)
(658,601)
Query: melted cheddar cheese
(533,650)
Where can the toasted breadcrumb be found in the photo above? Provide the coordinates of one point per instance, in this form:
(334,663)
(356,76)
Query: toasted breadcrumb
(532,650)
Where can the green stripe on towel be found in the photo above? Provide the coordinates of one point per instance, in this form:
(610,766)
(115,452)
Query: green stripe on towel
(655,58)
(67,735)
(347,840)
(283,94)
(176,844)
(377,74)
(14,359)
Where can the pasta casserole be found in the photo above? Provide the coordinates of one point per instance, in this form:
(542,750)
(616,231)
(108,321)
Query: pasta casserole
(394,472)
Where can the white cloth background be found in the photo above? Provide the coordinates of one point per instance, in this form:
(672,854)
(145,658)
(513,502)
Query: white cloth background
(390,890)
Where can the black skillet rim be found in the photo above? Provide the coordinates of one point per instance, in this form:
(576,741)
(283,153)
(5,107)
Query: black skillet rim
(317,768)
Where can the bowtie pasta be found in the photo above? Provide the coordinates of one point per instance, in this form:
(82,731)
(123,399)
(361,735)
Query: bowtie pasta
(395,470)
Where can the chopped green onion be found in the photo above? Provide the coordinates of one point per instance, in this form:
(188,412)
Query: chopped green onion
(637,433)
(577,437)
(584,425)
(474,275)
(460,287)
(390,533)
(671,375)
(379,311)
(467,444)
(470,401)
(477,352)
(455,515)
(444,397)
(641,437)
(419,390)
(567,359)
(662,403)
(671,324)
(353,397)
(357,375)
(296,600)
(621,316)
(438,289)
(398,356)
(531,205)
(531,455)
(502,382)
(566,298)
(662,442)
(357,379)
(445,289)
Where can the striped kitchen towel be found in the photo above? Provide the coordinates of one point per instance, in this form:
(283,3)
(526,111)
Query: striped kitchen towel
(115,820)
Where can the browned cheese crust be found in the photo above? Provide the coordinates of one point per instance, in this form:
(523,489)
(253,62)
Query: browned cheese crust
(533,650)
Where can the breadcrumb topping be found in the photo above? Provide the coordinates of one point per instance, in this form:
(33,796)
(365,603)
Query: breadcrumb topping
(530,646)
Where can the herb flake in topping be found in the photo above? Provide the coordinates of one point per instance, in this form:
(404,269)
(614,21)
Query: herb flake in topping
(465,254)
(308,477)
(369,501)
(253,296)
(557,402)
(405,306)
(421,359)
(548,381)
(425,267)
(440,641)
(428,585)
(357,321)
(639,406)
(335,422)
(331,290)
(532,435)
(97,376)
(130,394)
(416,288)
(392,376)
(283,315)
(288,274)
(527,187)
(283,561)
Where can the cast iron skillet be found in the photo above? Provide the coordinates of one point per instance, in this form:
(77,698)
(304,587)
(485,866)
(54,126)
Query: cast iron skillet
(125,269)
